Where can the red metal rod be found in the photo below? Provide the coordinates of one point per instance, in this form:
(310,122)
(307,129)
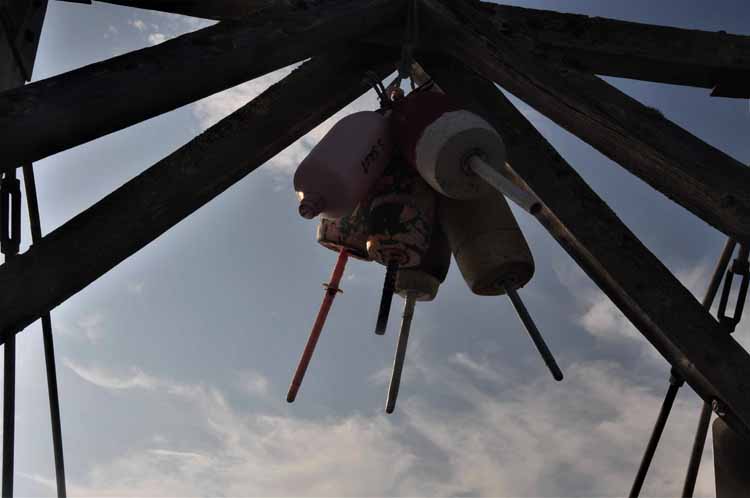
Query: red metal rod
(312,341)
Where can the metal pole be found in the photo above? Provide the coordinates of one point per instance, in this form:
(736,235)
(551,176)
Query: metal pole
(705,418)
(525,317)
(525,200)
(675,382)
(332,288)
(49,347)
(398,361)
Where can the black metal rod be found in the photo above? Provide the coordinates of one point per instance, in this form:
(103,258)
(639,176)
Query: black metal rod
(697,453)
(398,361)
(536,336)
(389,287)
(49,347)
(9,415)
(675,382)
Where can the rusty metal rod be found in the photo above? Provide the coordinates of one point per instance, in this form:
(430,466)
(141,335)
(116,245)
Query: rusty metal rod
(332,288)
(533,331)
(398,361)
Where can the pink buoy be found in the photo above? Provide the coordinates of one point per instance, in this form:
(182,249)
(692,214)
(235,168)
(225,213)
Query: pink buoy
(340,170)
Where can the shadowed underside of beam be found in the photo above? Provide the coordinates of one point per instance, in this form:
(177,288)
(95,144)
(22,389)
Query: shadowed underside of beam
(55,114)
(209,9)
(631,50)
(704,180)
(89,245)
(634,279)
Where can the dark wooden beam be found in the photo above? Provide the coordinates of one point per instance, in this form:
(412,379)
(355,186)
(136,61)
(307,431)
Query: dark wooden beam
(634,279)
(86,247)
(221,10)
(20,28)
(52,115)
(704,180)
(629,49)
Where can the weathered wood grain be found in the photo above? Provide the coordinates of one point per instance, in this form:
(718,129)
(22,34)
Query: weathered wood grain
(220,10)
(631,50)
(664,311)
(702,179)
(86,247)
(55,114)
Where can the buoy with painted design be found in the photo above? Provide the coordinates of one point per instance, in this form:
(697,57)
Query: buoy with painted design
(416,285)
(400,221)
(339,171)
(456,151)
(348,237)
(492,255)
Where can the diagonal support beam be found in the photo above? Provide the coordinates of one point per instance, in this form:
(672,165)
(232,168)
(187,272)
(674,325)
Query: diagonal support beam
(220,10)
(86,247)
(55,114)
(634,279)
(631,50)
(702,179)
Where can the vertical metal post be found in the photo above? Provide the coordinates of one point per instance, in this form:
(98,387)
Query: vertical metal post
(49,347)
(389,287)
(675,382)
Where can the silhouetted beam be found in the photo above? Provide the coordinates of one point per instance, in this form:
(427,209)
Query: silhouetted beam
(209,9)
(634,279)
(20,27)
(92,243)
(67,110)
(631,50)
(704,180)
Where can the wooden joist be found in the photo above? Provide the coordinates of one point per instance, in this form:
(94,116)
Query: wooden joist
(634,279)
(220,10)
(720,61)
(20,28)
(86,247)
(704,180)
(55,114)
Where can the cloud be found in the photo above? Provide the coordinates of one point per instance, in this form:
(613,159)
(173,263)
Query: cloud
(533,438)
(107,380)
(157,38)
(137,24)
(254,383)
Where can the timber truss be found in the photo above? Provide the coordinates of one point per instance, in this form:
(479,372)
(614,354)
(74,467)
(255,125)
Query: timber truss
(547,59)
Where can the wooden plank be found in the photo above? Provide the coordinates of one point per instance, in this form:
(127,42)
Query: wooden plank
(710,360)
(702,179)
(20,28)
(55,114)
(221,10)
(86,247)
(629,49)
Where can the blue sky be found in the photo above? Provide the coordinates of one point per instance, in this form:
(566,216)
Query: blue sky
(173,368)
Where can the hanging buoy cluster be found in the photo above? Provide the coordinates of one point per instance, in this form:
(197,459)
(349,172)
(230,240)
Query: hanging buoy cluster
(407,186)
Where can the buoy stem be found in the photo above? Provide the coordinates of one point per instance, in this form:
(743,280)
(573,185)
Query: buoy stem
(525,200)
(332,288)
(398,361)
(526,319)
(389,287)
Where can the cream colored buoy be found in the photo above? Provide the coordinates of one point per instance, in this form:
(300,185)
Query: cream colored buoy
(417,284)
(493,256)
(400,221)
(339,171)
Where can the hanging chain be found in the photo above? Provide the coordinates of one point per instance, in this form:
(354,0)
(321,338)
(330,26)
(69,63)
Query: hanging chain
(740,267)
(10,213)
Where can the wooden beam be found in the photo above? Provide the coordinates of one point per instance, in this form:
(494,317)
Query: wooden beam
(629,49)
(220,10)
(20,28)
(634,279)
(52,115)
(704,180)
(86,247)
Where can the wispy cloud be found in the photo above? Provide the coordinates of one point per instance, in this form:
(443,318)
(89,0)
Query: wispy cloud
(134,379)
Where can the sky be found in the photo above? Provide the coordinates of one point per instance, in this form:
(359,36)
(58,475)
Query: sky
(173,368)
